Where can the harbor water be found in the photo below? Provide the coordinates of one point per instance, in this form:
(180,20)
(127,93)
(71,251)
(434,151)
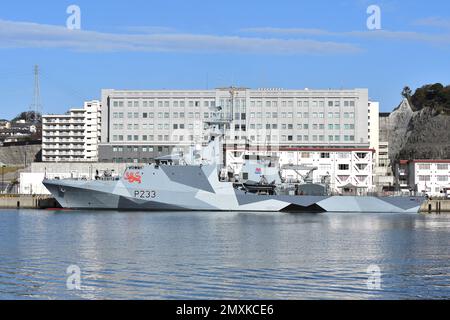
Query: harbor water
(208,255)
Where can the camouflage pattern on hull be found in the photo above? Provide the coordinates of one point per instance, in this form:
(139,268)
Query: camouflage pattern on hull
(197,188)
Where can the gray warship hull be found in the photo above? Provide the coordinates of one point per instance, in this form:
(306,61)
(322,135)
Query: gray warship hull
(197,188)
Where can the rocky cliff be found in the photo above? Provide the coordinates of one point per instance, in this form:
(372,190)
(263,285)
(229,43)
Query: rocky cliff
(419,131)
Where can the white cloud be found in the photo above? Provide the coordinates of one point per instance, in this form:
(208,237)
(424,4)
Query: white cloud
(148,29)
(33,35)
(432,38)
(288,31)
(433,22)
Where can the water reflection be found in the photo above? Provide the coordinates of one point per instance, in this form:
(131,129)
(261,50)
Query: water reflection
(222,255)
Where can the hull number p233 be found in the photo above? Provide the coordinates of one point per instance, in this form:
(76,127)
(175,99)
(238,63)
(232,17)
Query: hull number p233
(145,194)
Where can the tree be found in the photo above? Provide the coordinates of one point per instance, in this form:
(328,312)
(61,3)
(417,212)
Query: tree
(434,96)
(407,92)
(29,116)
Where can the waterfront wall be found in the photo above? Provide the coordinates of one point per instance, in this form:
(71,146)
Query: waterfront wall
(27,202)
(18,155)
(436,206)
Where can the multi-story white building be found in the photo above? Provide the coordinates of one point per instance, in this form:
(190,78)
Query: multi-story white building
(138,126)
(74,136)
(345,171)
(427,177)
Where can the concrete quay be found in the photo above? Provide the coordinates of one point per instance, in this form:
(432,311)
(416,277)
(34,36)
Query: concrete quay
(436,206)
(27,202)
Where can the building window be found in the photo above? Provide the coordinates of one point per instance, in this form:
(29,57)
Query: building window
(344,167)
(361,155)
(424,178)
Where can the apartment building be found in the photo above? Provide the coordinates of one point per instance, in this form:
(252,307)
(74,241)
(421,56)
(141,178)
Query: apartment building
(426,177)
(138,126)
(74,136)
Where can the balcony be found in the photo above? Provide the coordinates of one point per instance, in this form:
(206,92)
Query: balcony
(62,121)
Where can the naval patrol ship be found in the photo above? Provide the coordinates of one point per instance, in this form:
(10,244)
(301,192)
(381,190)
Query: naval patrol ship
(198,182)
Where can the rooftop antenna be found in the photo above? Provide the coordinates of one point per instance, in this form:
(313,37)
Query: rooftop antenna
(36,107)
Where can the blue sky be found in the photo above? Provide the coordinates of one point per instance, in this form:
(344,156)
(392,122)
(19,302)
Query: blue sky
(196,44)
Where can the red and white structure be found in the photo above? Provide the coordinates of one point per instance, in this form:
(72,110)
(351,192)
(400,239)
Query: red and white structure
(427,177)
(346,170)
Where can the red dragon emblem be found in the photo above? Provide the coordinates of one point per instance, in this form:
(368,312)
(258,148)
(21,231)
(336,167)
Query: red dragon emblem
(133,177)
